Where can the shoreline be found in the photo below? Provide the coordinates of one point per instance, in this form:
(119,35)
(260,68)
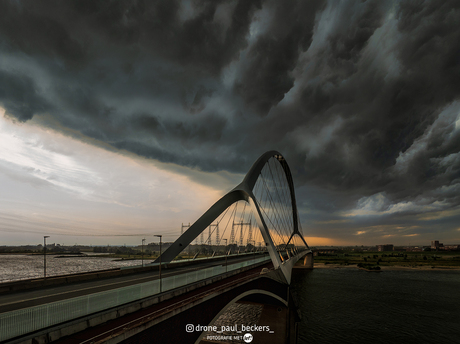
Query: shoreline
(388,268)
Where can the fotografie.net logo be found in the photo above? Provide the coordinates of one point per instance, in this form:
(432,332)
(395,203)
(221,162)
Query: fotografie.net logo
(248,338)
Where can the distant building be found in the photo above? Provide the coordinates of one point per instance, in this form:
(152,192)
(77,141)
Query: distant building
(400,249)
(388,247)
(436,245)
(415,249)
(325,252)
(452,247)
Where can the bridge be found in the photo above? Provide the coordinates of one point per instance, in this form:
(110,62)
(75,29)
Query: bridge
(253,238)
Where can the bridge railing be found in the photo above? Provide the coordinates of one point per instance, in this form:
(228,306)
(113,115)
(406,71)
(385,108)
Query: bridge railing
(23,321)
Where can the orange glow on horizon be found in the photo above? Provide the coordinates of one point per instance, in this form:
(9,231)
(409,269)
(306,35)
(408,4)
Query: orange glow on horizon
(322,241)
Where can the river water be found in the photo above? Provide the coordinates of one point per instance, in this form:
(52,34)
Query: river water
(17,267)
(355,306)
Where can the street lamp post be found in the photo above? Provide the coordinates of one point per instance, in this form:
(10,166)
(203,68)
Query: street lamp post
(143,240)
(159,236)
(44,255)
(225,254)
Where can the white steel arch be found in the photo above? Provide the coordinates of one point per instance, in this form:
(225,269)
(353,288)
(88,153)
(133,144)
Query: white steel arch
(244,191)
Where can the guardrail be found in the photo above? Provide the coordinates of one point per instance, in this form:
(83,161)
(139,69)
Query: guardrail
(22,321)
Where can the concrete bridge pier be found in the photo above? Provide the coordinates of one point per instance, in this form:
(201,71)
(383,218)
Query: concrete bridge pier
(283,321)
(305,263)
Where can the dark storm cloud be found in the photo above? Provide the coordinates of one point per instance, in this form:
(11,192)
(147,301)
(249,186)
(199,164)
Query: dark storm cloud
(361,97)
(271,59)
(382,109)
(19,95)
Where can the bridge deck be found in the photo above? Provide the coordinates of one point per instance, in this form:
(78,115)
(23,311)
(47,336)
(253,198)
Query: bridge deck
(35,310)
(121,327)
(31,298)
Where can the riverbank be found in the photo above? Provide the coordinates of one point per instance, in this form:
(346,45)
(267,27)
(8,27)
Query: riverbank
(388,268)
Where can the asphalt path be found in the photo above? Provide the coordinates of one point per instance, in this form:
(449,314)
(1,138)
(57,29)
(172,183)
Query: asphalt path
(29,298)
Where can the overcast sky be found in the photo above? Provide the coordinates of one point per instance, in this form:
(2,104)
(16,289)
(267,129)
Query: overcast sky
(133,117)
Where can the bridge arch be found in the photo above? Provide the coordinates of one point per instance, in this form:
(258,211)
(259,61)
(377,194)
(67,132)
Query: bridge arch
(270,180)
(273,296)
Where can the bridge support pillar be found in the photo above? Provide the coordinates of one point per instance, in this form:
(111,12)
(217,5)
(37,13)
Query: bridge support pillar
(306,262)
(282,320)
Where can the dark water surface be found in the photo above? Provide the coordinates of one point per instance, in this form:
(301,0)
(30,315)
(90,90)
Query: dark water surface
(17,267)
(354,306)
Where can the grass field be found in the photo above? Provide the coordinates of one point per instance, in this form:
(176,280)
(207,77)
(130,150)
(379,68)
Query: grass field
(406,259)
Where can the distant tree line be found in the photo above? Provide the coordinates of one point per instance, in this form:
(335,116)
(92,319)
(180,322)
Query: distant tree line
(120,250)
(39,249)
